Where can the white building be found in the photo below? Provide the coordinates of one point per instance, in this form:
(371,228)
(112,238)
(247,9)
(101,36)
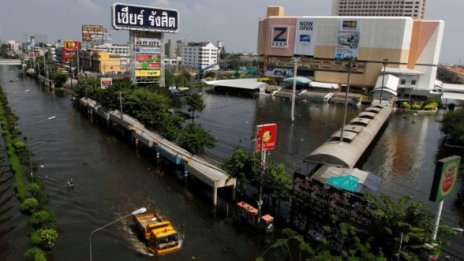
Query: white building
(410,8)
(401,46)
(198,55)
(117,49)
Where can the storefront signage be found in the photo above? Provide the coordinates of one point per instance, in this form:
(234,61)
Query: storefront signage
(279,37)
(106,82)
(267,136)
(444,180)
(147,73)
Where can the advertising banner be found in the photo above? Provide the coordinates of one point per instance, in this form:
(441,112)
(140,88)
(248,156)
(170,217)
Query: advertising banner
(93,34)
(444,180)
(67,56)
(147,73)
(305,37)
(347,39)
(279,37)
(147,53)
(267,136)
(70,46)
(144,18)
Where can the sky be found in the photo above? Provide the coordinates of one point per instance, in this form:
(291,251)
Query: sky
(235,23)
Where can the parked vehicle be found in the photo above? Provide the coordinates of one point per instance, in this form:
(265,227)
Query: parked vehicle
(160,236)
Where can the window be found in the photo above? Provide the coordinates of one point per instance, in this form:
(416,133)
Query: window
(413,82)
(403,82)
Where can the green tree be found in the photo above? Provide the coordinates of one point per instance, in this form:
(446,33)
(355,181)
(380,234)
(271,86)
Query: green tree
(29,205)
(452,125)
(277,183)
(239,165)
(246,166)
(43,218)
(390,220)
(195,139)
(59,78)
(35,254)
(183,78)
(169,78)
(45,238)
(195,103)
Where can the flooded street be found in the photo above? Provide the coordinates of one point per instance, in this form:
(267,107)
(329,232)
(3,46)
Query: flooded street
(111,179)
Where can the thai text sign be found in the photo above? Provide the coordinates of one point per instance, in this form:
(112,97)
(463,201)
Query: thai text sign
(446,175)
(147,73)
(144,18)
(267,136)
(93,33)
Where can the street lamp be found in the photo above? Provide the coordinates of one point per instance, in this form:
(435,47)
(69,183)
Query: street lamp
(385,61)
(135,212)
(350,65)
(295,68)
(457,229)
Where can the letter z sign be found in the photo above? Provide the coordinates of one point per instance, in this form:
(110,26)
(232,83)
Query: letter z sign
(279,37)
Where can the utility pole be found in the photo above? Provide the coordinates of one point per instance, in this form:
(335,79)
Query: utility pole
(261,178)
(350,65)
(385,61)
(295,68)
(120,103)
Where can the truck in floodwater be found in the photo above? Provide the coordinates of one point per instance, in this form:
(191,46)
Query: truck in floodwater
(160,236)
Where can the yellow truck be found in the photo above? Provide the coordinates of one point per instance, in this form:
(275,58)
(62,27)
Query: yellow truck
(160,236)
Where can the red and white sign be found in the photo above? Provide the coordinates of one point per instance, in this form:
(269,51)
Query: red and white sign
(106,82)
(70,46)
(267,136)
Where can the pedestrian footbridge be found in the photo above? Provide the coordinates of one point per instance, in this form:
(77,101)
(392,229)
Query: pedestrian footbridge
(193,164)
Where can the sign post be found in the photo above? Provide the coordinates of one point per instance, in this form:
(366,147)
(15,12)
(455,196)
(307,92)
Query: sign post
(147,26)
(446,174)
(267,137)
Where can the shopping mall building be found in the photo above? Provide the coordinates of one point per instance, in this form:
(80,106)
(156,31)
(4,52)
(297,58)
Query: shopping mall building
(409,48)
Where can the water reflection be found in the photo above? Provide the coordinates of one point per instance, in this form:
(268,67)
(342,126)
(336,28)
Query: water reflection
(111,178)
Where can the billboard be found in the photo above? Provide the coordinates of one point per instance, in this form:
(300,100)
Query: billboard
(94,34)
(347,39)
(267,136)
(279,37)
(445,177)
(71,46)
(305,36)
(144,18)
(67,56)
(147,73)
(147,56)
